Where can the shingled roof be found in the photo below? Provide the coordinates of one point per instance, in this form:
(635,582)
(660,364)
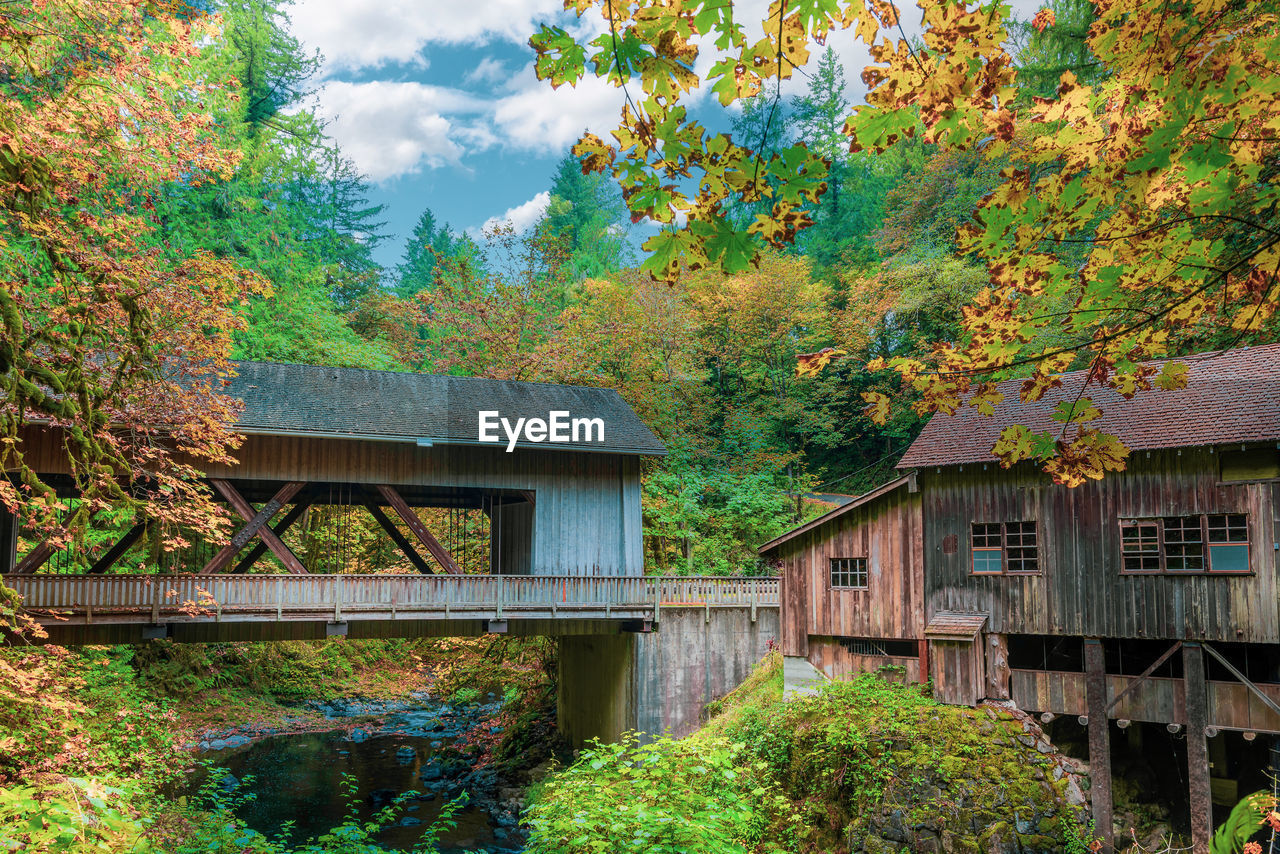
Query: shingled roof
(282,399)
(1232,396)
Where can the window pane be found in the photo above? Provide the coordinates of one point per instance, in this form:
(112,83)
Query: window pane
(1183,544)
(849,572)
(1140,545)
(1020,538)
(986,560)
(1228,528)
(1229,558)
(986,535)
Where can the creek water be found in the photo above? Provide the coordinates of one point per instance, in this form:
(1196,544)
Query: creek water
(298,778)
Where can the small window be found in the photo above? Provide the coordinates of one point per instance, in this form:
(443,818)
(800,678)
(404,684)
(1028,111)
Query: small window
(1178,544)
(1140,545)
(849,572)
(1005,548)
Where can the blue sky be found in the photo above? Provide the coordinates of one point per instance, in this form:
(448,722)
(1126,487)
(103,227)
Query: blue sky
(436,101)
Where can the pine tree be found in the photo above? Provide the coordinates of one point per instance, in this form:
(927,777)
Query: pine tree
(586,220)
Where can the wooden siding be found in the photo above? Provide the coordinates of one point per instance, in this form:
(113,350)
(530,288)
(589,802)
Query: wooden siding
(958,672)
(1158,700)
(587,515)
(836,662)
(1080,589)
(887,533)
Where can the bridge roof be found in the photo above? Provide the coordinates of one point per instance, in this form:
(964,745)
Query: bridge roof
(353,403)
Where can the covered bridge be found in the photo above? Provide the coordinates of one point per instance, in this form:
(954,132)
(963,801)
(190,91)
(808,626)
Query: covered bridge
(395,442)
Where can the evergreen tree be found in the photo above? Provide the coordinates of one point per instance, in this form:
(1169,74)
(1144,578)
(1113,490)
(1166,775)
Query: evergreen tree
(586,218)
(296,210)
(432,251)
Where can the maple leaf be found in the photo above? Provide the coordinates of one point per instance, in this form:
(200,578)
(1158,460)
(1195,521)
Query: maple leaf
(1044,19)
(1172,376)
(811,364)
(878,407)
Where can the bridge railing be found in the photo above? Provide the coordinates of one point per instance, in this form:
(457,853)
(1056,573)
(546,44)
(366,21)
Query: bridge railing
(297,596)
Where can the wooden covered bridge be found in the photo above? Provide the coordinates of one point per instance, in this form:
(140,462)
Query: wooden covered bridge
(538,532)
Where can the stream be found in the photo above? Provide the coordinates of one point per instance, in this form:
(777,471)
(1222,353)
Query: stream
(417,746)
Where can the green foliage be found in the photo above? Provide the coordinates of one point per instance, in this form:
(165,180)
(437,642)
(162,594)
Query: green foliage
(284,670)
(664,797)
(212,825)
(587,218)
(1241,824)
(76,815)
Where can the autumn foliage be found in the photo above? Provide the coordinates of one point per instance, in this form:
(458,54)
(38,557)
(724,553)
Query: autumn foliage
(111,339)
(1136,210)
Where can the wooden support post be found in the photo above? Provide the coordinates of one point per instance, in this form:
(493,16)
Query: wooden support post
(399,539)
(260,548)
(1095,667)
(256,526)
(1196,714)
(998,673)
(117,551)
(8,540)
(437,551)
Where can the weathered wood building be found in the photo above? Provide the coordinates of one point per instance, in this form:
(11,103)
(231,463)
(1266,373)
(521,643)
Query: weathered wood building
(393,442)
(1149,596)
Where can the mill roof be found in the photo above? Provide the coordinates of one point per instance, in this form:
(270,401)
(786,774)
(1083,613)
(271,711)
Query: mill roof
(1232,396)
(287,399)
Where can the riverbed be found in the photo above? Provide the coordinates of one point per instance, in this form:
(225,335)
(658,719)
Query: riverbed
(421,749)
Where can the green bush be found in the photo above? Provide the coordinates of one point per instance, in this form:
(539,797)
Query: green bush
(665,797)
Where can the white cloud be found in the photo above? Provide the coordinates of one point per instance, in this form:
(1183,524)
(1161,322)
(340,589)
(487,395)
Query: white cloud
(355,34)
(521,217)
(391,129)
(541,119)
(489,70)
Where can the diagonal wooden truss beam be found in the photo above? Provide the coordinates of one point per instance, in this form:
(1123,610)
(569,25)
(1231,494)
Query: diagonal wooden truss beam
(117,551)
(1144,675)
(437,551)
(256,525)
(399,539)
(260,548)
(1266,701)
(35,558)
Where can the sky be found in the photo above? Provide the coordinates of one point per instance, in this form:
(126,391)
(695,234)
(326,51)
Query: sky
(437,103)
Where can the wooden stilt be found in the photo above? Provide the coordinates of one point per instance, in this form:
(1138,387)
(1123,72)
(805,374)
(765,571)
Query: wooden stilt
(998,673)
(1095,667)
(260,548)
(117,551)
(256,525)
(1197,718)
(399,539)
(437,551)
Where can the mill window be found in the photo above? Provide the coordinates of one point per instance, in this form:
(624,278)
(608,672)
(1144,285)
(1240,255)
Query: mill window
(849,572)
(1005,548)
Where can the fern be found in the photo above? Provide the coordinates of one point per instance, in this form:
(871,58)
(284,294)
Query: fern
(1231,836)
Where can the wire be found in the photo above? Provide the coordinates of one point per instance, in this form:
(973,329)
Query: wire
(889,454)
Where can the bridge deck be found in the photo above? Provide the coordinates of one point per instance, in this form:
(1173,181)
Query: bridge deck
(70,600)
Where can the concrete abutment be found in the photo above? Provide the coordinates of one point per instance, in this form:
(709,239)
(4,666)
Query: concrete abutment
(661,681)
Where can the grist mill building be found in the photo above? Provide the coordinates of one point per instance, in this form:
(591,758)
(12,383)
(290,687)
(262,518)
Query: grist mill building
(1142,603)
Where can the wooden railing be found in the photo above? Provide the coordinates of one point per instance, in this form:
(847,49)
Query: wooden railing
(156,598)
